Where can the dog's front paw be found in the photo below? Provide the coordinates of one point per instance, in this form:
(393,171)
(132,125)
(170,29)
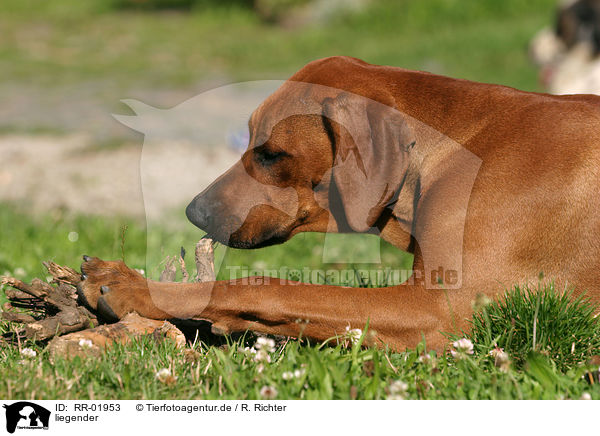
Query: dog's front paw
(113,290)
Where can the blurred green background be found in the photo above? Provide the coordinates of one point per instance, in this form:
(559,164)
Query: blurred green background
(65,64)
(182,42)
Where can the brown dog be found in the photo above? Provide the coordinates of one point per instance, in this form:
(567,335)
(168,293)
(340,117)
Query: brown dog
(487,186)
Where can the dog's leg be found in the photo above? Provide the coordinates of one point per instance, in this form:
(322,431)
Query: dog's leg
(400,315)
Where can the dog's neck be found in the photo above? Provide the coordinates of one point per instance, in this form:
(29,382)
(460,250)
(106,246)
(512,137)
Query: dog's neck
(429,214)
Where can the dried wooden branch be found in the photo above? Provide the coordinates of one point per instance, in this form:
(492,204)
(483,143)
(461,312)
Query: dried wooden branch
(205,264)
(184,274)
(205,260)
(169,271)
(62,274)
(53,308)
(44,311)
(94,341)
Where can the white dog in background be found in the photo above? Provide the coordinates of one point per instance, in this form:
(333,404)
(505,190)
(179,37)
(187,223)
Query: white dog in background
(568,55)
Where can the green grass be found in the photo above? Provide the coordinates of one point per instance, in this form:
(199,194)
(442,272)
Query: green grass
(550,322)
(550,369)
(325,372)
(70,42)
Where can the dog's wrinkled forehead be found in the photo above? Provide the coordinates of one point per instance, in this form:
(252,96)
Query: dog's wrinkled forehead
(292,98)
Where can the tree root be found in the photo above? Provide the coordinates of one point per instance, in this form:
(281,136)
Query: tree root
(51,308)
(95,341)
(41,311)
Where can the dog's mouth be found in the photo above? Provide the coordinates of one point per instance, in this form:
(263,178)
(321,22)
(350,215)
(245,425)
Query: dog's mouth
(238,240)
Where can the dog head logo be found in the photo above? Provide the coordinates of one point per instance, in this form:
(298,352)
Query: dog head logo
(26,415)
(318,159)
(190,145)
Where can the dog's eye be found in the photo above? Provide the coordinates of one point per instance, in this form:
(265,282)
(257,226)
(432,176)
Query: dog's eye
(267,157)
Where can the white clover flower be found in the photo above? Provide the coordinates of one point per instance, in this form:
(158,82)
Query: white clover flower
(85,343)
(28,352)
(248,350)
(353,334)
(494,352)
(501,359)
(73,236)
(299,372)
(462,347)
(262,356)
(164,375)
(395,397)
(398,387)
(268,392)
(585,396)
(266,344)
(425,359)
(20,272)
(141,271)
(288,375)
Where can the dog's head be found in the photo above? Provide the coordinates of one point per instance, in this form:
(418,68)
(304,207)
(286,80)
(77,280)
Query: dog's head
(319,159)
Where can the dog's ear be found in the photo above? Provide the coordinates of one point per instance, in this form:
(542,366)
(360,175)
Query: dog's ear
(371,143)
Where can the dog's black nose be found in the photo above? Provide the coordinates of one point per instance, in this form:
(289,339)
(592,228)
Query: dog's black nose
(197,213)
